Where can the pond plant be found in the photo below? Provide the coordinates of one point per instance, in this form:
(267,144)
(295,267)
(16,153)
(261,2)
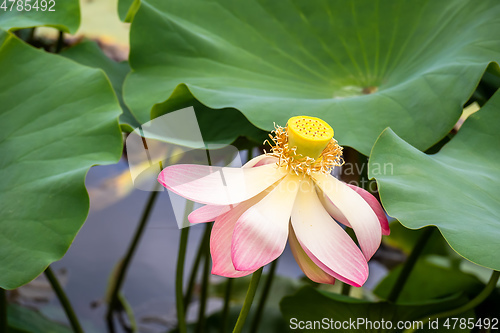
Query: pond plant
(408,186)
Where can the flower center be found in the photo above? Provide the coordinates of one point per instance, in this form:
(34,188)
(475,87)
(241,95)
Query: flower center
(305,146)
(310,135)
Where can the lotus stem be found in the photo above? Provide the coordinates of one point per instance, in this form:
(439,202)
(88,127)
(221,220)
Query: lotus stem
(63,299)
(409,264)
(247,304)
(3,310)
(346,289)
(205,278)
(227,301)
(60,42)
(122,272)
(263,297)
(196,265)
(181,258)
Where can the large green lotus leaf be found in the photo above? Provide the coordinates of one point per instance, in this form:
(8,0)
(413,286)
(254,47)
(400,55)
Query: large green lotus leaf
(24,320)
(57,119)
(360,65)
(88,53)
(456,189)
(405,239)
(430,281)
(60,14)
(218,127)
(309,305)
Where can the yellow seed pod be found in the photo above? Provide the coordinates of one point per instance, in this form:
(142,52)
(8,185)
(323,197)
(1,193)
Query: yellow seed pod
(309,134)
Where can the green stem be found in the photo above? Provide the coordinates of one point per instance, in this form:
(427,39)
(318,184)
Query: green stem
(3,310)
(249,154)
(247,304)
(181,258)
(346,289)
(63,299)
(263,297)
(492,283)
(192,277)
(204,285)
(409,264)
(227,301)
(60,42)
(131,326)
(122,272)
(31,36)
(196,265)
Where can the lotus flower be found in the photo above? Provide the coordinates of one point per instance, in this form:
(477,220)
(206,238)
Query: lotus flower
(288,193)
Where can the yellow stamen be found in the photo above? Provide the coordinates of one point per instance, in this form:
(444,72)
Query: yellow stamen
(309,134)
(330,154)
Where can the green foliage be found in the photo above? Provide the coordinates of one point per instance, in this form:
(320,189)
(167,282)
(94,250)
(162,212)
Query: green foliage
(309,304)
(127,9)
(60,14)
(405,240)
(272,320)
(88,53)
(455,189)
(218,127)
(401,68)
(360,65)
(429,281)
(24,320)
(57,119)
(281,287)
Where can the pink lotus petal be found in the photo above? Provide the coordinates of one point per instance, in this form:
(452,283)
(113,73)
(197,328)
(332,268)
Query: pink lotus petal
(324,241)
(216,185)
(310,269)
(260,160)
(208,213)
(220,241)
(375,205)
(354,282)
(358,212)
(261,232)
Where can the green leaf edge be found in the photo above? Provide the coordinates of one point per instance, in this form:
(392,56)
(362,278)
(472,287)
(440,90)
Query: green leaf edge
(5,36)
(388,132)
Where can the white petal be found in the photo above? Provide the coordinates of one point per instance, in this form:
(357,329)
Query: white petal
(358,212)
(324,241)
(333,210)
